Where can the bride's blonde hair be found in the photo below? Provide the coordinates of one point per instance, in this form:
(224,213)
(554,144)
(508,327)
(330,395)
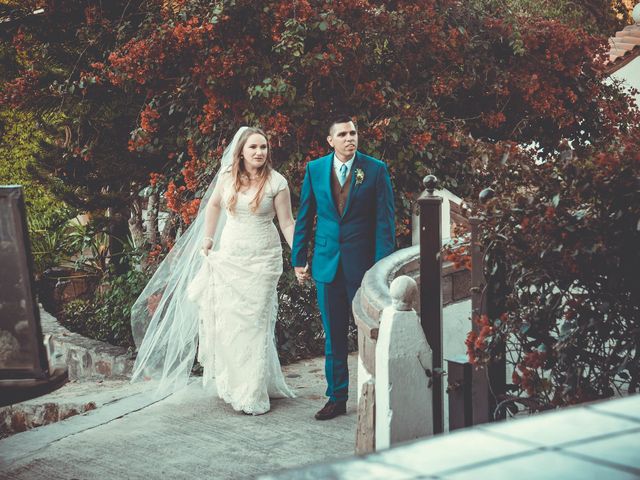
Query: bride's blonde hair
(239,175)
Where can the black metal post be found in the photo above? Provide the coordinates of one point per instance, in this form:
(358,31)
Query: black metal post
(481,403)
(494,307)
(431,290)
(477,277)
(497,368)
(487,382)
(459,374)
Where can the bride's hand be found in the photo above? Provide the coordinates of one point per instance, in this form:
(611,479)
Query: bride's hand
(207,243)
(302,274)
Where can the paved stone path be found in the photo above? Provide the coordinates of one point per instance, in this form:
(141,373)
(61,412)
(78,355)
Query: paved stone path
(187,435)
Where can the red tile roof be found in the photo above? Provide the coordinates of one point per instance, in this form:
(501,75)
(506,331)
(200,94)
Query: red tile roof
(625,46)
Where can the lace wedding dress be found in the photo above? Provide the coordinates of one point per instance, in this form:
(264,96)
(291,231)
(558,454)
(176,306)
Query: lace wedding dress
(239,304)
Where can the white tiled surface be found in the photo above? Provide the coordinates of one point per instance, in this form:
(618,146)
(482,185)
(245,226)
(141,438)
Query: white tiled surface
(457,450)
(627,407)
(621,450)
(600,441)
(543,466)
(560,427)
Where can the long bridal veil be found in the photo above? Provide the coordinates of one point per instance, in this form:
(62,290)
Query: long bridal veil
(165,319)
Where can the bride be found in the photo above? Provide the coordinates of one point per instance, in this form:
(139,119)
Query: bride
(215,292)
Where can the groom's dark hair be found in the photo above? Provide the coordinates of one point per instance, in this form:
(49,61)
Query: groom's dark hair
(339,118)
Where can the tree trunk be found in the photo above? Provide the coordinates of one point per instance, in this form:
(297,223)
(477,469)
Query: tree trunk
(153,206)
(118,233)
(136,226)
(169,231)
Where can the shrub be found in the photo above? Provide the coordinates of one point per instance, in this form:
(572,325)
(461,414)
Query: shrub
(106,317)
(48,233)
(156,88)
(299,331)
(20,146)
(561,239)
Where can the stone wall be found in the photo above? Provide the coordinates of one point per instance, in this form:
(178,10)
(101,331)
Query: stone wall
(87,359)
(31,414)
(89,362)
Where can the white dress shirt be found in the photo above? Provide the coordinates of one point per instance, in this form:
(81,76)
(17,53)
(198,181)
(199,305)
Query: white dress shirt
(337,164)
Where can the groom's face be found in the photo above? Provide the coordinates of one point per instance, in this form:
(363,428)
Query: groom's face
(343,137)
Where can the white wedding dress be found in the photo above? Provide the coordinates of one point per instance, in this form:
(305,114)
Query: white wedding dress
(239,305)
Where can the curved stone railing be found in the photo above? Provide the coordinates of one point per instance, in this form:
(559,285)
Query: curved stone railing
(370,300)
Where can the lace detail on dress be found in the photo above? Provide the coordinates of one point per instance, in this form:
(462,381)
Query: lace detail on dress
(236,292)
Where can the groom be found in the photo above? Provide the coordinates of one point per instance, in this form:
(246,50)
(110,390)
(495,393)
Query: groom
(350,195)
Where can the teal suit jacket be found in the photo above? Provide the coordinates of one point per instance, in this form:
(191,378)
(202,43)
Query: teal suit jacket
(364,233)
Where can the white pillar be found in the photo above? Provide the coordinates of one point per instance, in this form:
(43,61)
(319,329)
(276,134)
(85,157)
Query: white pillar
(403,395)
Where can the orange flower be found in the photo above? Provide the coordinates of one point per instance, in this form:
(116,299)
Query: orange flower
(147,119)
(420,139)
(154,300)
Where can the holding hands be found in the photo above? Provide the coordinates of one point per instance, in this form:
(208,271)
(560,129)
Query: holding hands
(302,274)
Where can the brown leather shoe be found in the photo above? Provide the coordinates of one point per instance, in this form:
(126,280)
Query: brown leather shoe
(332,410)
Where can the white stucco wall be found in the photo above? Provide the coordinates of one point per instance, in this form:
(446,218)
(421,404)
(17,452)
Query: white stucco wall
(630,75)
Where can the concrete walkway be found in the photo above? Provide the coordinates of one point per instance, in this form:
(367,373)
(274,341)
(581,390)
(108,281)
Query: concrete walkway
(187,435)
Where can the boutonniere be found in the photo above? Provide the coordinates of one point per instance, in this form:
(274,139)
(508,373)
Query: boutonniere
(359,176)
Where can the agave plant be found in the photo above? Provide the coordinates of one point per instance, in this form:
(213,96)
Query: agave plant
(49,242)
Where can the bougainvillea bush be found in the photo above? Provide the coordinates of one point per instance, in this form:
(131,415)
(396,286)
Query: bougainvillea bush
(148,92)
(561,240)
(158,87)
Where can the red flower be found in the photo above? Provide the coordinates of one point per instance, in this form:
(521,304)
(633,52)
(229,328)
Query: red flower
(535,359)
(421,139)
(550,212)
(154,300)
(171,195)
(189,174)
(154,178)
(147,119)
(470,342)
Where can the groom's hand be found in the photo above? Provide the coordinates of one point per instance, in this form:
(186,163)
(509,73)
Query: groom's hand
(302,274)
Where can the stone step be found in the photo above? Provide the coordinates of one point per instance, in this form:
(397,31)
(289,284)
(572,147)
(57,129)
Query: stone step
(72,399)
